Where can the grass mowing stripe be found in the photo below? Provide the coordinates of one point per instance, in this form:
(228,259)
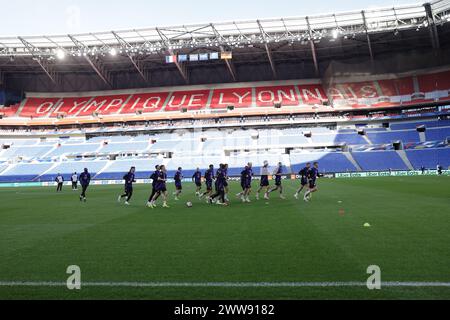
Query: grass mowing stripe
(290,245)
(224,284)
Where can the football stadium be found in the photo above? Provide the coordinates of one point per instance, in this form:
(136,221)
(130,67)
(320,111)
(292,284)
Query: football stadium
(301,157)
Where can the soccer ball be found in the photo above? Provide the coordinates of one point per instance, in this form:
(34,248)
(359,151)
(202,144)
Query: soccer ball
(189,204)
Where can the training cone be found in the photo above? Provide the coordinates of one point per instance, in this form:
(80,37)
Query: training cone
(366,225)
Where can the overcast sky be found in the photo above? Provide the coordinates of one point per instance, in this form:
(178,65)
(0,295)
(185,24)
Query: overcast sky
(39,17)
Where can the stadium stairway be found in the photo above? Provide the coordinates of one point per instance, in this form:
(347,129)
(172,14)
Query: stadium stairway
(49,152)
(422,137)
(99,148)
(3,167)
(287,162)
(350,158)
(405,159)
(107,165)
(8,168)
(46,171)
(365,137)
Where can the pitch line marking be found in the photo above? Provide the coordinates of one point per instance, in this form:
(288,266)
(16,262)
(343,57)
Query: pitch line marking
(224,284)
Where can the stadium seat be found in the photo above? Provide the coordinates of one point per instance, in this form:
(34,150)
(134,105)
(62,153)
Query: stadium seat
(329,162)
(379,160)
(189,152)
(429,158)
(393,136)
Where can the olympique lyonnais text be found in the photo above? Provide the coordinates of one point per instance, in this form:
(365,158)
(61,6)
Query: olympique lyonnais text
(356,95)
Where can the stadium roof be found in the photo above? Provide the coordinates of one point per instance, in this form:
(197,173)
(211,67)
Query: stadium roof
(140,53)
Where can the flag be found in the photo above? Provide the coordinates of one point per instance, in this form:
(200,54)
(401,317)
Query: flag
(182,58)
(171,59)
(227,55)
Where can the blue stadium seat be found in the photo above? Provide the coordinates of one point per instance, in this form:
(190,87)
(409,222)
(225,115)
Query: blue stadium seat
(392,136)
(379,160)
(437,134)
(328,162)
(429,158)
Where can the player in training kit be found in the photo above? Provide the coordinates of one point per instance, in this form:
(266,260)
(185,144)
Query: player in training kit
(246,183)
(154,178)
(197,179)
(217,181)
(303,179)
(264,184)
(209,177)
(74,179)
(220,187)
(60,181)
(85,180)
(160,187)
(278,173)
(313,174)
(178,177)
(241,195)
(225,185)
(129,179)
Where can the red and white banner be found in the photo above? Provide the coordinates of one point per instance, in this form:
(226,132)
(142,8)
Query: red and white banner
(367,94)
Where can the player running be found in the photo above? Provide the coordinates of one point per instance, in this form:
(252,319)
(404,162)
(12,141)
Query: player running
(220,188)
(303,179)
(313,174)
(264,181)
(178,177)
(278,173)
(154,178)
(197,179)
(241,195)
(160,187)
(129,179)
(225,185)
(246,183)
(209,177)
(85,180)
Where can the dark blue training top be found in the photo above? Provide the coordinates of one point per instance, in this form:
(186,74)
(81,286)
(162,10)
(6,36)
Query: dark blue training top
(313,173)
(209,175)
(303,173)
(249,175)
(161,183)
(178,176)
(244,175)
(197,177)
(129,179)
(220,178)
(85,179)
(154,177)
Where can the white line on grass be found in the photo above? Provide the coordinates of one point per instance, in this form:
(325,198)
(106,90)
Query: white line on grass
(222,284)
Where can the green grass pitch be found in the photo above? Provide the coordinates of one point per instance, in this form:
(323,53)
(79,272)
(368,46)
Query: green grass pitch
(42,233)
